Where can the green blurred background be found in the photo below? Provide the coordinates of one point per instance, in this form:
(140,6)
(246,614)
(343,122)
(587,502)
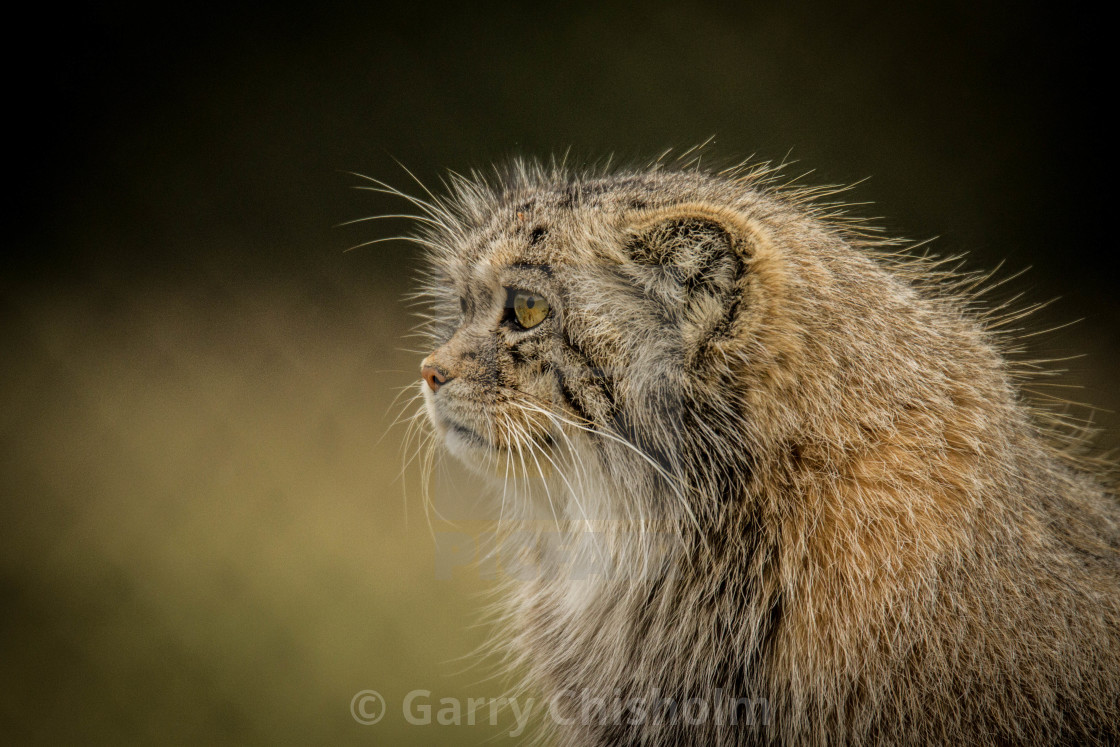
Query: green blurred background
(203,534)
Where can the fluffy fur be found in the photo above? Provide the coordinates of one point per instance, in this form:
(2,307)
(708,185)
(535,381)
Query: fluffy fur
(806,459)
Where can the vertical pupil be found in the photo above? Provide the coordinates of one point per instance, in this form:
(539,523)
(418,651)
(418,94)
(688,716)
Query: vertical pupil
(530,302)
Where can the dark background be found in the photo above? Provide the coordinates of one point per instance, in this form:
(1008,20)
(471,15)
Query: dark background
(203,536)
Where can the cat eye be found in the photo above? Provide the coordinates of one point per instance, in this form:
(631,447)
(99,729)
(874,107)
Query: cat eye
(529,309)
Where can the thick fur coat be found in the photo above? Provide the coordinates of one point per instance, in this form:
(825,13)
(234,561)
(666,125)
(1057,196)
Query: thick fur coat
(826,512)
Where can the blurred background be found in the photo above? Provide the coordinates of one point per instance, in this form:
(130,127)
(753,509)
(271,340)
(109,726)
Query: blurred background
(203,537)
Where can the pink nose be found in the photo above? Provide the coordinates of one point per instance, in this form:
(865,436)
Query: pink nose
(434,377)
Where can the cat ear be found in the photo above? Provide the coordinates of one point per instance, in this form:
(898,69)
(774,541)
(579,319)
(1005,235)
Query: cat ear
(687,257)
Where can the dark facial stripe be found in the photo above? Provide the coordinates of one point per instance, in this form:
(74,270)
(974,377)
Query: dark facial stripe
(545,270)
(570,397)
(602,378)
(516,355)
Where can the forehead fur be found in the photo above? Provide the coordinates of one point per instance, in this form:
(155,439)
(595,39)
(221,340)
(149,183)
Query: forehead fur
(537,214)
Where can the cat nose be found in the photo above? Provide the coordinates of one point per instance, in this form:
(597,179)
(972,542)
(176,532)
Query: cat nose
(434,377)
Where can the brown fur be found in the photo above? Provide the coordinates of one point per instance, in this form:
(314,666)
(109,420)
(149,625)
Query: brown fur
(807,457)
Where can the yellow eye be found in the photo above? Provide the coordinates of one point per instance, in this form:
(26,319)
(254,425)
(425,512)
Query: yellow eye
(529,308)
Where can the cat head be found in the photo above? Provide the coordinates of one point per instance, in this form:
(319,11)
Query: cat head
(591,320)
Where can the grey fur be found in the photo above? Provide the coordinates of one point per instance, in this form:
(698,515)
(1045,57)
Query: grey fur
(806,455)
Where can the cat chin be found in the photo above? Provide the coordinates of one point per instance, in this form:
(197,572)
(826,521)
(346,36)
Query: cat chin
(488,462)
(496,463)
(467,446)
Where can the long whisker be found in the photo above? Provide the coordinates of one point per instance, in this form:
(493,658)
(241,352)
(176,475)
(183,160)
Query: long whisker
(527,442)
(642,524)
(574,493)
(410,239)
(673,481)
(434,209)
(408,216)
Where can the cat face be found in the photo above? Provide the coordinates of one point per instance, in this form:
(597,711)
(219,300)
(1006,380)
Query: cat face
(488,384)
(591,326)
